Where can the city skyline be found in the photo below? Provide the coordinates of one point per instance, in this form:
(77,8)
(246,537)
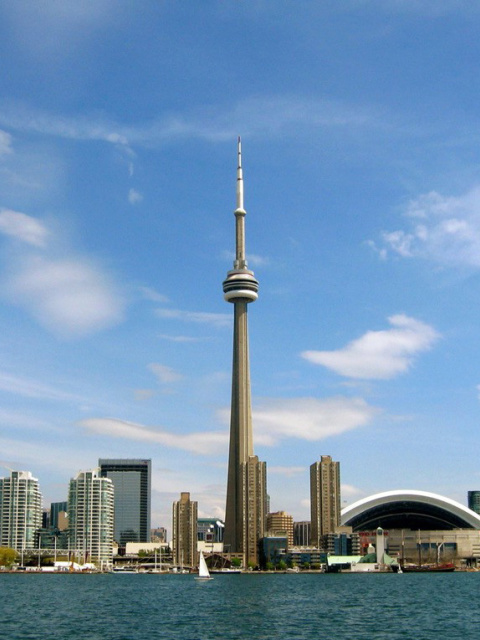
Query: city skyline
(117,141)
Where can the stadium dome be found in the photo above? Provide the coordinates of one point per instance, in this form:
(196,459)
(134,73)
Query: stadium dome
(409,510)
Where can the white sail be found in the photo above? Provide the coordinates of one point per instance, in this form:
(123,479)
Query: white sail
(203,572)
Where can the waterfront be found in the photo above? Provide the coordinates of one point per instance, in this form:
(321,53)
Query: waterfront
(260,607)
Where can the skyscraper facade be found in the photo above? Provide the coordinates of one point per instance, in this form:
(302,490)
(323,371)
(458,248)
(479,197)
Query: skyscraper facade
(20,510)
(474,501)
(246,483)
(301,533)
(90,517)
(184,522)
(132,481)
(324,498)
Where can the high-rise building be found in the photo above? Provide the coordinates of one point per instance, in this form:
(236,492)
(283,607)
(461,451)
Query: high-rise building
(474,501)
(301,533)
(246,484)
(20,510)
(132,481)
(90,517)
(57,508)
(324,498)
(184,523)
(280,522)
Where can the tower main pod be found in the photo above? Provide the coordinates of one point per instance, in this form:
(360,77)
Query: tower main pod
(246,485)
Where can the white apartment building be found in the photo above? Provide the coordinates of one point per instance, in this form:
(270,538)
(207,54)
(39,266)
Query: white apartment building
(20,510)
(91,517)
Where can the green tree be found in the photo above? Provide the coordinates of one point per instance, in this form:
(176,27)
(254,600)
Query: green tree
(282,565)
(269,566)
(7,556)
(236,562)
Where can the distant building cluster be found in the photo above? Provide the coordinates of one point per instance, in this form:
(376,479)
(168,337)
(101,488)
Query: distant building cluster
(106,516)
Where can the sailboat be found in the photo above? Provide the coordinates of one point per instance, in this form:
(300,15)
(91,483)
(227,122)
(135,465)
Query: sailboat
(203,572)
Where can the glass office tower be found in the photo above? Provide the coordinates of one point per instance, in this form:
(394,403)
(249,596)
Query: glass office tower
(132,481)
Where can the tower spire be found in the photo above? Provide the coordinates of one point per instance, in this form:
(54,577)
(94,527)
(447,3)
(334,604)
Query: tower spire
(239,177)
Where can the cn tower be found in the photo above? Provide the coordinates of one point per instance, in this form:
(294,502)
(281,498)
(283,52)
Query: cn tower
(246,487)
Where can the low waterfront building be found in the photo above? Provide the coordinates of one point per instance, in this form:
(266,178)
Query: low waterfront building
(210,530)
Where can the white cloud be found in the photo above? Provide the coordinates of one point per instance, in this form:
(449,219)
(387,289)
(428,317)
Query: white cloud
(71,297)
(22,227)
(379,354)
(152,294)
(213,319)
(164,374)
(134,196)
(309,419)
(205,443)
(443,229)
(5,143)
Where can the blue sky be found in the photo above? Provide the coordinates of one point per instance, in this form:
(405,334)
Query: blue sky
(360,129)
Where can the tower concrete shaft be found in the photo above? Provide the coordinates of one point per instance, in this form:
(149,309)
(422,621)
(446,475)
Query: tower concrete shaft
(246,488)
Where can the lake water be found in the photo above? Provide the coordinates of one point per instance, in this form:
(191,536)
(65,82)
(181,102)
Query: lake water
(250,607)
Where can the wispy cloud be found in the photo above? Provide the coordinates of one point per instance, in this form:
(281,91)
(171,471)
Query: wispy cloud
(29,388)
(70,296)
(143,394)
(254,260)
(164,374)
(186,339)
(201,317)
(19,117)
(22,227)
(153,295)
(5,143)
(268,116)
(205,443)
(443,229)
(349,491)
(379,354)
(134,197)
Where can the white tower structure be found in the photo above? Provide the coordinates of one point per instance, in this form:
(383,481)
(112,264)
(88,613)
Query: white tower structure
(246,488)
